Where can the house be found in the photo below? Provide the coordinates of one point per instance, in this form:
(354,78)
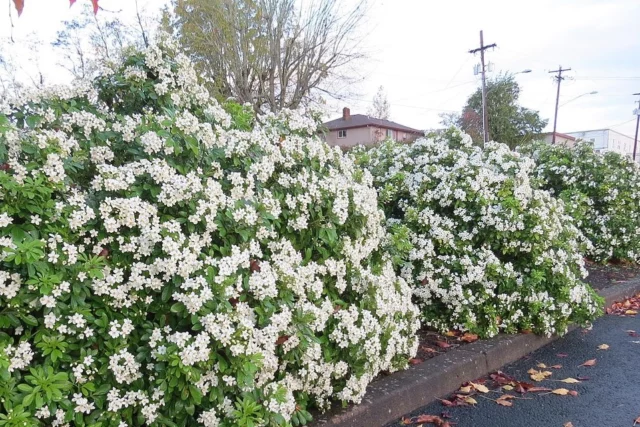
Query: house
(605,140)
(352,130)
(561,139)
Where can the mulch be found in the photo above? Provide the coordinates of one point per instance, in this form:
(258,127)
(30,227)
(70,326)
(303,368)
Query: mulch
(604,275)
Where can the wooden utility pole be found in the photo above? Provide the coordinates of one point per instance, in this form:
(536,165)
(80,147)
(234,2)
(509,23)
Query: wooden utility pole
(559,78)
(637,113)
(485,115)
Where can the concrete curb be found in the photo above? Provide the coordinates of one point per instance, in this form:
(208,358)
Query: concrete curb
(392,396)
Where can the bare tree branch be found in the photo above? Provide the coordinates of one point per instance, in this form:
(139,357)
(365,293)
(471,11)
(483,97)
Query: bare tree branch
(273,54)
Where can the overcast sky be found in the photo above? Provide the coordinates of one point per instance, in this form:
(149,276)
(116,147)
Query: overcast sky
(418,50)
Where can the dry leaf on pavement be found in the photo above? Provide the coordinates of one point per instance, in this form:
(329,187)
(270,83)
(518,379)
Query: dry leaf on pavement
(590,362)
(560,391)
(603,347)
(465,389)
(570,381)
(467,337)
(479,387)
(568,424)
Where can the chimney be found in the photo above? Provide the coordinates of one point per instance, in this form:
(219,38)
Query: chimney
(346,113)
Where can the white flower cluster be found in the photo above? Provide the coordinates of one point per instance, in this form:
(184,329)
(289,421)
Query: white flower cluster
(19,356)
(196,257)
(601,192)
(487,246)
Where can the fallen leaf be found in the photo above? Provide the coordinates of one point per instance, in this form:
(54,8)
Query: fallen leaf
(414,361)
(633,334)
(446,402)
(631,312)
(603,347)
(583,378)
(467,337)
(570,381)
(557,366)
(538,389)
(479,387)
(465,389)
(507,387)
(637,421)
(541,366)
(506,397)
(560,391)
(433,419)
(504,402)
(562,355)
(590,362)
(539,375)
(471,401)
(567,424)
(573,393)
(450,333)
(443,344)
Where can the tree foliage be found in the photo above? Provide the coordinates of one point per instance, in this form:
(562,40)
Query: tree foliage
(273,54)
(509,123)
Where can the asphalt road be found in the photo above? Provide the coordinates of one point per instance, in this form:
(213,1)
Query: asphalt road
(610,398)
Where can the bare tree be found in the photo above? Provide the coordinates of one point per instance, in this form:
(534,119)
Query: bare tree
(91,39)
(380,109)
(20,65)
(273,54)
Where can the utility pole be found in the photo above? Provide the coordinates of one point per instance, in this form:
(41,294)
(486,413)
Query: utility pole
(559,78)
(485,116)
(637,113)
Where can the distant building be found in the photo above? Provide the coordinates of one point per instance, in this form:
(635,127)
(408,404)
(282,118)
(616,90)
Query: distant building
(561,139)
(352,130)
(605,140)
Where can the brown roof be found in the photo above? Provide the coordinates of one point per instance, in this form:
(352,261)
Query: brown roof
(362,120)
(562,135)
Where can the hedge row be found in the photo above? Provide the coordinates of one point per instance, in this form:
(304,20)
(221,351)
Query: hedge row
(169,260)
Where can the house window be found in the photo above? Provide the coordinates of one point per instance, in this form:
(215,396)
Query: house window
(389,133)
(342,134)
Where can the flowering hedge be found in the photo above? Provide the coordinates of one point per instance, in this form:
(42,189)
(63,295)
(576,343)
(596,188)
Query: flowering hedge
(163,262)
(487,252)
(602,193)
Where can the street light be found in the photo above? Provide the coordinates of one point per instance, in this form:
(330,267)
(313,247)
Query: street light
(579,96)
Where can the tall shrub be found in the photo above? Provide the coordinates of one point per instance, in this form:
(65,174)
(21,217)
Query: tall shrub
(165,263)
(601,192)
(487,252)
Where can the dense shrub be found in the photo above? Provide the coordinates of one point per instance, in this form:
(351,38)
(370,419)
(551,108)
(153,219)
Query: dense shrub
(487,252)
(601,192)
(165,263)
